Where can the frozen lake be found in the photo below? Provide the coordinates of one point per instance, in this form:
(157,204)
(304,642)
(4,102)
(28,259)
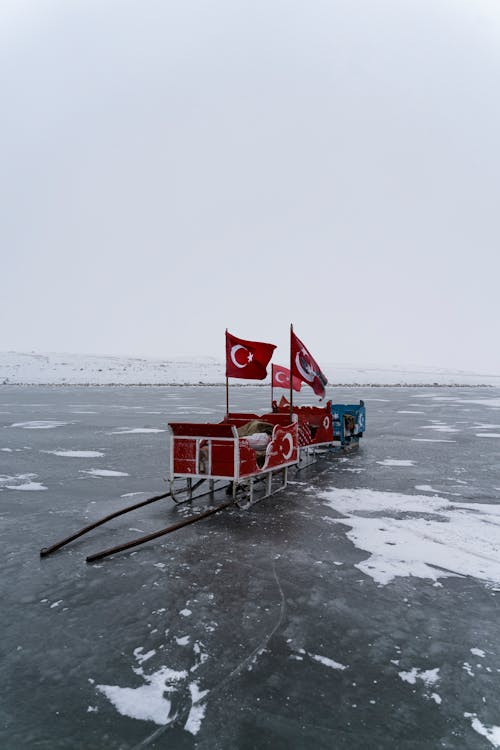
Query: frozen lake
(358,609)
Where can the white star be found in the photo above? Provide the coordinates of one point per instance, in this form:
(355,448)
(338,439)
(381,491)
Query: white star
(250,357)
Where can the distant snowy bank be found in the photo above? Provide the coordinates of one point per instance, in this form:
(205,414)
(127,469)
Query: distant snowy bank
(81,369)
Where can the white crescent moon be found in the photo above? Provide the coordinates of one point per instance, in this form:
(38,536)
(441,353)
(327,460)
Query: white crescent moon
(234,349)
(306,375)
(288,437)
(326,423)
(278,379)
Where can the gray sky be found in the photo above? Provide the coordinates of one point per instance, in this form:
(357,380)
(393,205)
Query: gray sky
(170,169)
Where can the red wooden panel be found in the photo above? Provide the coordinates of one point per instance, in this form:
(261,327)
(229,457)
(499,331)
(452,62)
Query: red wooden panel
(201,429)
(284,447)
(324,427)
(239,418)
(223,458)
(318,419)
(248,460)
(282,419)
(184,456)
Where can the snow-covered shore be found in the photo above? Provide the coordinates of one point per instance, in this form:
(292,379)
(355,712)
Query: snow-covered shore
(18,368)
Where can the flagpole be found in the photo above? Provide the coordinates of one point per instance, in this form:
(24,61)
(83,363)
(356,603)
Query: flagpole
(272,378)
(227,383)
(291,376)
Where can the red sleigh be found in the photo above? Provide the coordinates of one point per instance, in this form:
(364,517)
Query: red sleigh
(200,451)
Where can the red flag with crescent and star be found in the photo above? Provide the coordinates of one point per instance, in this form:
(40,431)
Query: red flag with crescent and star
(305,367)
(281,378)
(247,359)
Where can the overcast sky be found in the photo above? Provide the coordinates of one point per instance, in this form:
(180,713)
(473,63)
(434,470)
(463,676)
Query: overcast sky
(172,168)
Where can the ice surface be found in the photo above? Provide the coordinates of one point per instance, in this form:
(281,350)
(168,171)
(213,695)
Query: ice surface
(338,613)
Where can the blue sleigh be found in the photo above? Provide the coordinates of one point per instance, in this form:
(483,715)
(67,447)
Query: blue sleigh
(349,422)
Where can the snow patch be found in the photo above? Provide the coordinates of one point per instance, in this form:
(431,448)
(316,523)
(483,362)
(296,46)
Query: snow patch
(428,677)
(67,368)
(439,428)
(21,482)
(419,535)
(147,702)
(197,711)
(396,462)
(47,424)
(432,440)
(492,733)
(327,662)
(135,431)
(29,487)
(142,657)
(76,454)
(104,473)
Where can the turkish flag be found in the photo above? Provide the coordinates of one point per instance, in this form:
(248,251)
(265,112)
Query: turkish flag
(305,367)
(281,378)
(247,359)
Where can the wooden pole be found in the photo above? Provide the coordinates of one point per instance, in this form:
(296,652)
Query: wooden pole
(156,534)
(48,550)
(54,547)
